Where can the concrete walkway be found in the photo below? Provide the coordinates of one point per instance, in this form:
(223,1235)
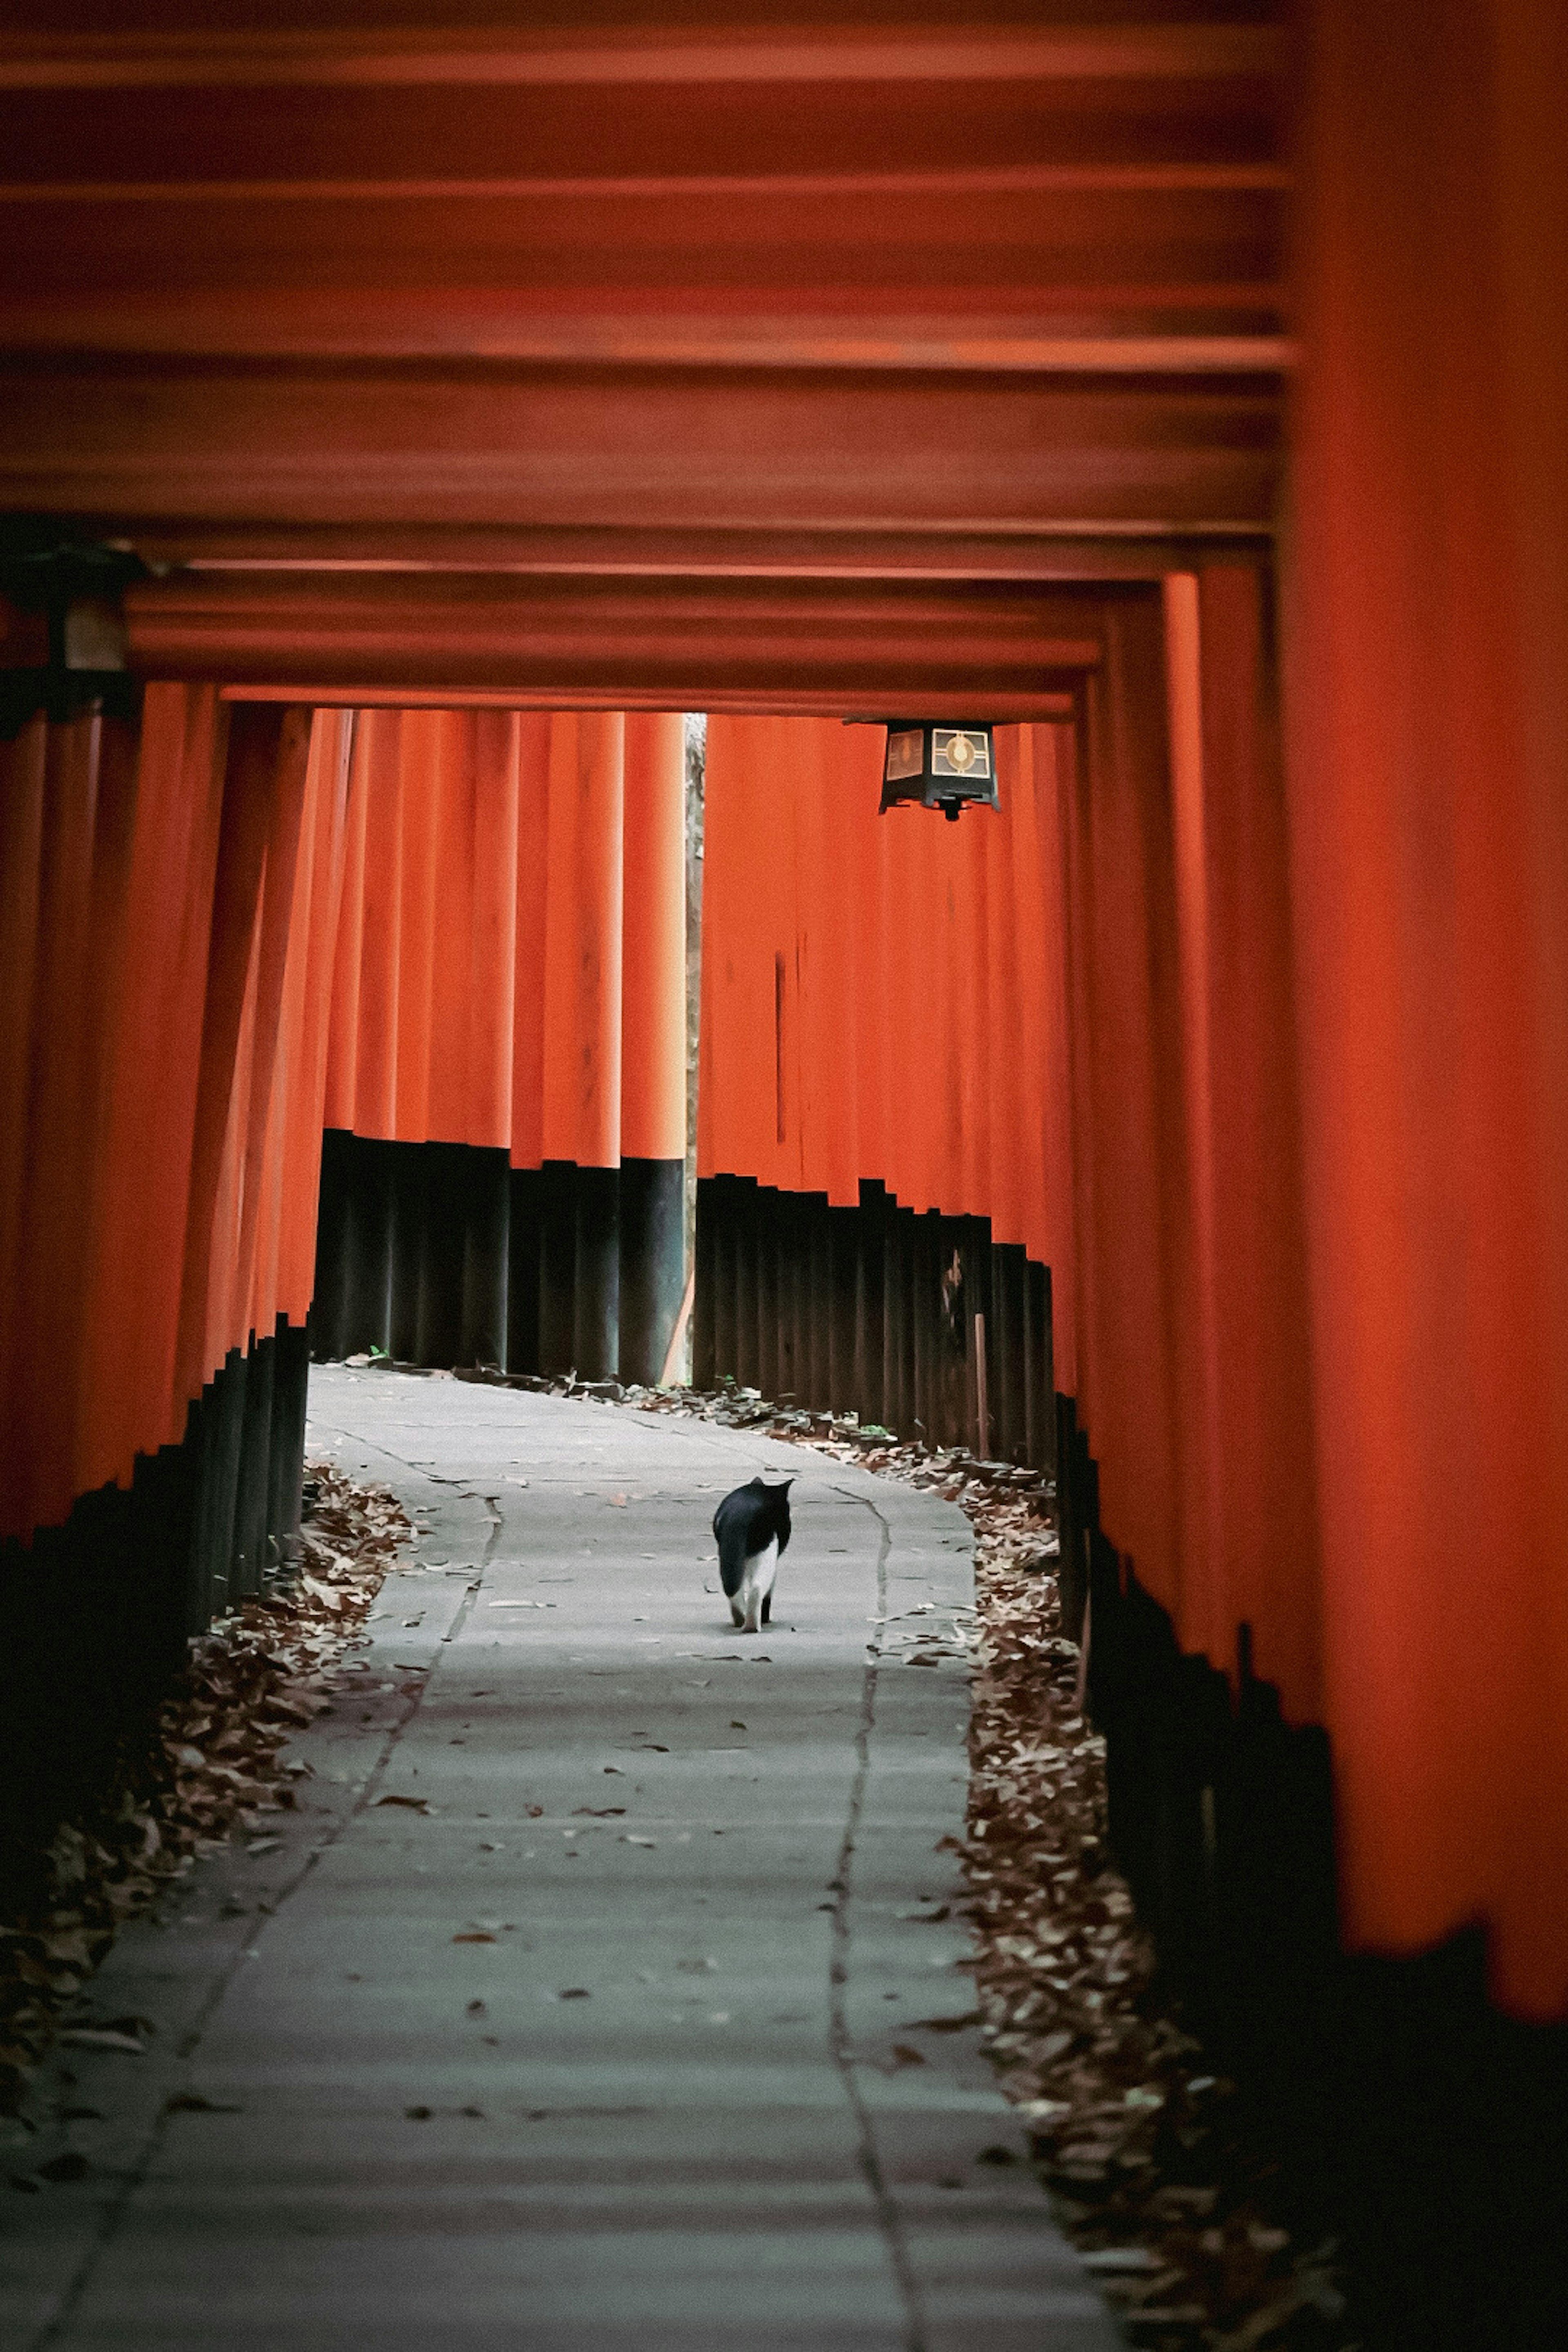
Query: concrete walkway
(650,2032)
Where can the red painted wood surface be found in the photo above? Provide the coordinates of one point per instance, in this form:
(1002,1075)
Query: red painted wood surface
(853,970)
(954,266)
(1074,1018)
(172,891)
(511,949)
(653,940)
(958,300)
(697,641)
(1429,828)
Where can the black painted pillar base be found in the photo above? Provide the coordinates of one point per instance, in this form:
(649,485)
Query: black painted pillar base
(442,1254)
(872,1310)
(1078,1516)
(485,1305)
(557,1266)
(351,1313)
(408,1187)
(870,1303)
(330,1318)
(251,1550)
(1040,1438)
(290,1387)
(444,1204)
(1007,1383)
(1411,2121)
(95,1614)
(596,1301)
(525,1228)
(705,1304)
(653,1270)
(214,1432)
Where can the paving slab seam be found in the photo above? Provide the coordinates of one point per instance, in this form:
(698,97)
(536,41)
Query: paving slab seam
(427,2155)
(135,2178)
(889,2219)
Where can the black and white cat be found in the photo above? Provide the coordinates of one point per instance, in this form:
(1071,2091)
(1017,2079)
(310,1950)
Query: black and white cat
(751,1527)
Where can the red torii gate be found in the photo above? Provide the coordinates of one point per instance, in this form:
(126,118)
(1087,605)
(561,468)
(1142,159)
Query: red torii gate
(691,336)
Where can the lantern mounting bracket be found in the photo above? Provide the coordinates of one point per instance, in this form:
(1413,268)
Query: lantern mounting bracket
(63,648)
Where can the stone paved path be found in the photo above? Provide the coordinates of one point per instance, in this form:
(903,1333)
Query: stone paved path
(649,2032)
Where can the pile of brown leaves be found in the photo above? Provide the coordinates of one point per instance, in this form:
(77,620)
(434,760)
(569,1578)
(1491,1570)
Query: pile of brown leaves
(1178,2213)
(1139,2140)
(212,1767)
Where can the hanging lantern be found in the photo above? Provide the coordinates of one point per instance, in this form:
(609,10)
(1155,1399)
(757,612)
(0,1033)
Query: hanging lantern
(60,611)
(938,764)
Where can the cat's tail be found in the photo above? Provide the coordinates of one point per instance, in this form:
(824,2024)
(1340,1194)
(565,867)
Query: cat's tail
(732,1558)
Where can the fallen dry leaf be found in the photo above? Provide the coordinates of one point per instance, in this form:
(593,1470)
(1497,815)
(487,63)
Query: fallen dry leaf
(211,1765)
(1136,2136)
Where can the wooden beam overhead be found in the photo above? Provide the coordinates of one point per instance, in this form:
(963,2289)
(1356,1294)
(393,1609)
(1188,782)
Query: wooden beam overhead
(965,179)
(801,645)
(615,447)
(1042,551)
(882,274)
(806,702)
(339,44)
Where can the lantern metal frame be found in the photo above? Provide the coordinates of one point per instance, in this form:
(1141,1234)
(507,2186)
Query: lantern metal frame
(66,621)
(942,763)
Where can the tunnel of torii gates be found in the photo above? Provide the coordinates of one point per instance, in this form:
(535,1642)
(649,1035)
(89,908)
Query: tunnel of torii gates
(1212,1094)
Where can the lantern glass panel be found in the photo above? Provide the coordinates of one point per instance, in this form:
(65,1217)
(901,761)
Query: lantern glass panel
(962,753)
(906,754)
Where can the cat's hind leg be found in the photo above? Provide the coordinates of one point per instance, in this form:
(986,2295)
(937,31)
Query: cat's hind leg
(758,1583)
